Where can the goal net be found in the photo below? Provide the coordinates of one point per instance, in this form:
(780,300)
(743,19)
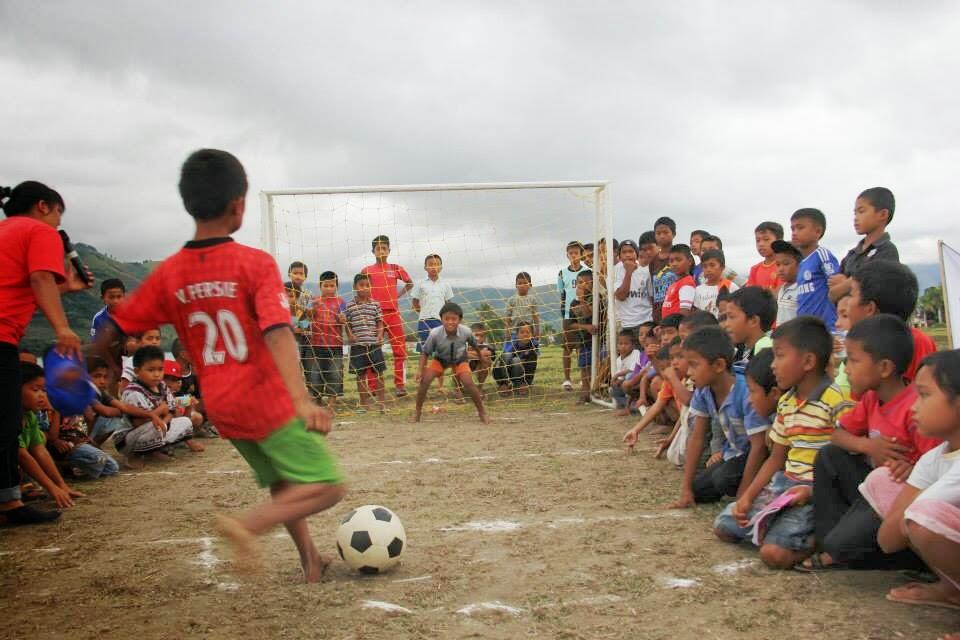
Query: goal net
(485,235)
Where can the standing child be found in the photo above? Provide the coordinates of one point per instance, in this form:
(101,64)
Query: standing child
(227,304)
(696,238)
(627,357)
(428,297)
(807,227)
(446,346)
(327,337)
(764,273)
(680,294)
(567,288)
(112,291)
(581,313)
(384,277)
(872,214)
(787,258)
(364,323)
(633,287)
(806,417)
(714,243)
(712,265)
(664,231)
(523,306)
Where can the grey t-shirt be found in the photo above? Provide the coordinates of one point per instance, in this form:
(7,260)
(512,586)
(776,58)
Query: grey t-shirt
(449,350)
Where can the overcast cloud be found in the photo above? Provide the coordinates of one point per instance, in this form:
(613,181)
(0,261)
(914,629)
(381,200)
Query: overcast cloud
(720,114)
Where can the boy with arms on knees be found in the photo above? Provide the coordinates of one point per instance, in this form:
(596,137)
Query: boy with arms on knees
(889,287)
(806,417)
(567,288)
(712,266)
(872,214)
(228,306)
(879,431)
(750,314)
(664,231)
(364,323)
(787,259)
(764,273)
(446,346)
(807,227)
(721,396)
(384,278)
(327,337)
(517,365)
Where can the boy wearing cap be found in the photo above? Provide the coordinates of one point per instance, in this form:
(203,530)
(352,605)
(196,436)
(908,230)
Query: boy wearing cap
(787,259)
(384,277)
(180,404)
(633,287)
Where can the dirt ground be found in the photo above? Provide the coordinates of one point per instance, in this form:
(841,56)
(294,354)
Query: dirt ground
(536,526)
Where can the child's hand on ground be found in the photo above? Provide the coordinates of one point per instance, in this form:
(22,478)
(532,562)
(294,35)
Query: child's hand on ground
(741,510)
(61,497)
(715,458)
(801,494)
(73,493)
(899,469)
(685,502)
(662,445)
(630,439)
(315,417)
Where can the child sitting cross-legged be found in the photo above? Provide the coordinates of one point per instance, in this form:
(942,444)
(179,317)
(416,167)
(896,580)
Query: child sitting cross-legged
(806,416)
(446,345)
(722,397)
(879,431)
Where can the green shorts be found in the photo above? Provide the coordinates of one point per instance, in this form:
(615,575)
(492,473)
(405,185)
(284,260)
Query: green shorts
(290,454)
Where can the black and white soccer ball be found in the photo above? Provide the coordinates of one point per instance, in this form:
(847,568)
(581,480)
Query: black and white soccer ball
(371,539)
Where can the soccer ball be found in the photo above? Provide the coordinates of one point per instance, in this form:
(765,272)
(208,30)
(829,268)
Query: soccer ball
(371,539)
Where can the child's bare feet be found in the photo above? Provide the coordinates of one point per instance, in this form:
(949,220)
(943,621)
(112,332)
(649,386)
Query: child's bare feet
(134,463)
(940,594)
(415,418)
(246,554)
(195,446)
(484,418)
(159,456)
(315,568)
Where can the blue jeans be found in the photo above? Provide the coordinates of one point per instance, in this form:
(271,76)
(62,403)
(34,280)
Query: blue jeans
(91,462)
(424,327)
(620,399)
(104,426)
(792,528)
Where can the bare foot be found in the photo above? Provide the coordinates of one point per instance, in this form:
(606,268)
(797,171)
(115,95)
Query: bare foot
(484,418)
(159,456)
(415,418)
(195,446)
(134,463)
(939,594)
(246,554)
(315,568)
(621,412)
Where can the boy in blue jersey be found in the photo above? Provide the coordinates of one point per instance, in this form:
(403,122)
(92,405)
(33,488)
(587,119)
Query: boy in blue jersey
(807,227)
(112,292)
(567,288)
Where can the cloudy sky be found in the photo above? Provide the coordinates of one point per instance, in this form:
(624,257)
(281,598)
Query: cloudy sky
(720,114)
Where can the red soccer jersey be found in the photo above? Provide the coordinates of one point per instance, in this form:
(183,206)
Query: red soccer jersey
(383,283)
(221,297)
(327,330)
(923,345)
(26,247)
(762,275)
(679,296)
(869,418)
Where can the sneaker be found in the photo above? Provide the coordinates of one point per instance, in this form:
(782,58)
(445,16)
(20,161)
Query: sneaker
(567,385)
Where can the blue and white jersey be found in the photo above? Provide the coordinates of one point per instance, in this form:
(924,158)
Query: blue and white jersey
(812,289)
(100,320)
(567,288)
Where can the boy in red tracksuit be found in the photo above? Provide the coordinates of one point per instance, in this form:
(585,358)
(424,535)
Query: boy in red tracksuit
(384,277)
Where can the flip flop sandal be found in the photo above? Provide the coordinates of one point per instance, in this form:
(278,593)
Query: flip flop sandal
(817,566)
(923,603)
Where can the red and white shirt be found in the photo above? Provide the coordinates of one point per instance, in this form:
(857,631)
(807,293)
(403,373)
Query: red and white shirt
(679,296)
(221,297)
(327,329)
(383,283)
(26,247)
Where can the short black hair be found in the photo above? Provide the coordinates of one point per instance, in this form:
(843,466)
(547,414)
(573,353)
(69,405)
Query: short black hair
(713,254)
(111,283)
(773,227)
(451,307)
(756,301)
(95,364)
(667,222)
(21,198)
(672,321)
(723,295)
(676,340)
(380,239)
(783,248)
(522,324)
(588,246)
(807,334)
(698,319)
(478,326)
(433,255)
(881,198)
(359,278)
(946,371)
(647,237)
(177,347)
(30,371)
(648,323)
(296,264)
(523,275)
(627,332)
(760,369)
(885,337)
(329,275)
(147,354)
(712,343)
(663,353)
(713,238)
(210,179)
(575,244)
(290,286)
(891,286)
(586,273)
(683,249)
(814,215)
(699,233)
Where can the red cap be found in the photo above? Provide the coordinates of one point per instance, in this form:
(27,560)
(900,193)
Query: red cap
(171,368)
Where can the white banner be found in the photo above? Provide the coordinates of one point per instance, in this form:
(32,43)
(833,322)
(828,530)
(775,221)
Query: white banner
(950,270)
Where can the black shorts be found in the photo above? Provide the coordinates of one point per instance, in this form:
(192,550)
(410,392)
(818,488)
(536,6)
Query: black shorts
(364,357)
(327,372)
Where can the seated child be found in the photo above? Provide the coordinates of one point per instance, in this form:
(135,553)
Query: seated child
(924,513)
(481,356)
(705,295)
(130,346)
(365,327)
(722,397)
(880,431)
(639,387)
(517,365)
(180,404)
(34,459)
(750,314)
(672,367)
(447,347)
(695,321)
(668,329)
(107,414)
(70,446)
(148,392)
(806,417)
(627,357)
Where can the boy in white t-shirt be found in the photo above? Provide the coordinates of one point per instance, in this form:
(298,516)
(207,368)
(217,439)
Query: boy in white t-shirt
(633,287)
(787,258)
(712,266)
(428,297)
(627,357)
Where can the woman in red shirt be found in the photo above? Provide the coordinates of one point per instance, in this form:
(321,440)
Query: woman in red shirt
(31,275)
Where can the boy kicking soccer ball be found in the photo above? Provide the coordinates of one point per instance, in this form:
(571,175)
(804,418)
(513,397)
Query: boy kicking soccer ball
(448,346)
(227,303)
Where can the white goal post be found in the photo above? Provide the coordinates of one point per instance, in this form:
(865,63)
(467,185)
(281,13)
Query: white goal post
(287,230)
